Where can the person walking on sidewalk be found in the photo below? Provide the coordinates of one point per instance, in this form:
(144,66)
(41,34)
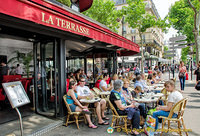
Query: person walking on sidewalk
(182,76)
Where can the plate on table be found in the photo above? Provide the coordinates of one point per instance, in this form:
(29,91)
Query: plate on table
(93,100)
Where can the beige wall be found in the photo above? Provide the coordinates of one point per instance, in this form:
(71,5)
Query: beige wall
(150,35)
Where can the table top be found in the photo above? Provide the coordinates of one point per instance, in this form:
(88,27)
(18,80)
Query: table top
(159,85)
(93,100)
(158,95)
(156,89)
(146,100)
(162,82)
(105,93)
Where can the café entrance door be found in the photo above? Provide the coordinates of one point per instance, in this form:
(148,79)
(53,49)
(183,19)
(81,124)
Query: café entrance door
(45,71)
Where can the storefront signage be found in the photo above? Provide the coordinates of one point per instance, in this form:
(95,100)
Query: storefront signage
(52,20)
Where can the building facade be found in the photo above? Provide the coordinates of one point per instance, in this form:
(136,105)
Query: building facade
(153,37)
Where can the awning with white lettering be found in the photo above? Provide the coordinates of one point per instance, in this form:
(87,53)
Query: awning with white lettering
(63,18)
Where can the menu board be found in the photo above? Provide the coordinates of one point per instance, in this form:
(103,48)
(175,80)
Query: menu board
(16,94)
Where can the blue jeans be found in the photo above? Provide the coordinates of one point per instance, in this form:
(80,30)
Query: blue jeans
(156,114)
(142,110)
(182,81)
(135,118)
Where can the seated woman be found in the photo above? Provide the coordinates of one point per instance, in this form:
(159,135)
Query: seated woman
(72,99)
(173,98)
(154,78)
(122,108)
(127,96)
(159,76)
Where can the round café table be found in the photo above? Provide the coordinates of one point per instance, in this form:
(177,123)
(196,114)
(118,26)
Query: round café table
(158,95)
(93,100)
(146,101)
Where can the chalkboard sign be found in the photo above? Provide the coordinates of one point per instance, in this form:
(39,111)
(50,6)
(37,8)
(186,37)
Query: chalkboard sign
(16,94)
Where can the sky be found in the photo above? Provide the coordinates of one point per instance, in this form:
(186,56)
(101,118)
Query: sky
(162,7)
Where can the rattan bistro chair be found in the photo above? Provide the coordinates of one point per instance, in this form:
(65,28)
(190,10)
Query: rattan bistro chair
(116,119)
(74,114)
(178,108)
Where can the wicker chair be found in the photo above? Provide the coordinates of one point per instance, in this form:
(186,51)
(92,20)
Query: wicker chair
(116,119)
(74,114)
(165,97)
(177,108)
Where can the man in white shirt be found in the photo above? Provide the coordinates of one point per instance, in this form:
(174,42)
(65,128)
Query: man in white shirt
(84,92)
(19,70)
(103,85)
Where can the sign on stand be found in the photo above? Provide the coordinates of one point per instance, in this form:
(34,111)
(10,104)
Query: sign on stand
(17,97)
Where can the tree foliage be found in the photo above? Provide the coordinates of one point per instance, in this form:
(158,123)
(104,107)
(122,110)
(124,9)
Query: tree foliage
(136,17)
(181,16)
(65,2)
(104,12)
(184,54)
(24,58)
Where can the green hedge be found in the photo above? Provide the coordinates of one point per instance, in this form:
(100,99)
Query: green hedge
(65,2)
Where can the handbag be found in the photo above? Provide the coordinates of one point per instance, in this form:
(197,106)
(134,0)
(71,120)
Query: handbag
(197,87)
(181,74)
(187,77)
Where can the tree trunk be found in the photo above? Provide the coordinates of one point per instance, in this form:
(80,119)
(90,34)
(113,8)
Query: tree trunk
(142,54)
(196,29)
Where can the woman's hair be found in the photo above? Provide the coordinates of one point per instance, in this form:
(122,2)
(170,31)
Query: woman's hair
(71,83)
(138,88)
(170,82)
(115,75)
(126,80)
(105,74)
(118,84)
(149,76)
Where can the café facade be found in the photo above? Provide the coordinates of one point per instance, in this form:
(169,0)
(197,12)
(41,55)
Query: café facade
(56,35)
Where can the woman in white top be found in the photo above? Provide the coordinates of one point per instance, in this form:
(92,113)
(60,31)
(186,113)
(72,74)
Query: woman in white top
(103,85)
(174,97)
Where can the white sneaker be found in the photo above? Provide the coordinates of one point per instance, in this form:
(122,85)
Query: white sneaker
(159,125)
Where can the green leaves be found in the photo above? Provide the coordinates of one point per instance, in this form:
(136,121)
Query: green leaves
(137,17)
(182,18)
(104,11)
(65,2)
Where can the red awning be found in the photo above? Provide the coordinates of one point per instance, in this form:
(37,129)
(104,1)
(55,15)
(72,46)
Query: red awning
(64,18)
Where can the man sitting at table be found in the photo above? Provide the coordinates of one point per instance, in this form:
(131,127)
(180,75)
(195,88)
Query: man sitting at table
(103,85)
(121,106)
(144,83)
(138,82)
(84,92)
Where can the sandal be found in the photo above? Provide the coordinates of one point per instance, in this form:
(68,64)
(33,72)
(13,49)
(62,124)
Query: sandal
(86,111)
(104,123)
(93,126)
(106,118)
